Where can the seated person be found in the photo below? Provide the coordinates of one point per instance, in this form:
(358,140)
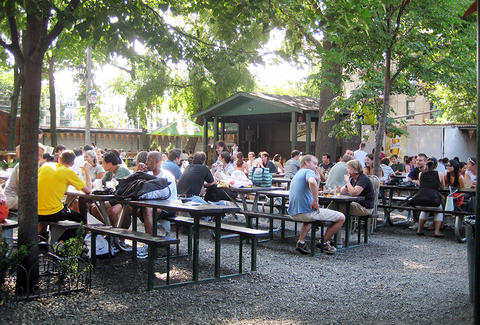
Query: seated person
(173,162)
(293,164)
(419,165)
(11,187)
(397,166)
(386,170)
(471,173)
(97,171)
(357,184)
(223,168)
(428,195)
(141,161)
(304,207)
(240,164)
(195,177)
(335,177)
(53,180)
(154,164)
(277,160)
(326,164)
(267,163)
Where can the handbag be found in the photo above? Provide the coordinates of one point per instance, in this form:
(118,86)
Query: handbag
(3,211)
(261,177)
(449,204)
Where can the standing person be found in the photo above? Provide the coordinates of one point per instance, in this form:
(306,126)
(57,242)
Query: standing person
(428,195)
(173,162)
(53,180)
(360,154)
(267,163)
(303,206)
(292,165)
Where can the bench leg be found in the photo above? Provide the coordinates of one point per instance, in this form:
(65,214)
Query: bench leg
(359,229)
(151,259)
(93,248)
(254,255)
(240,256)
(365,235)
(189,240)
(168,263)
(313,239)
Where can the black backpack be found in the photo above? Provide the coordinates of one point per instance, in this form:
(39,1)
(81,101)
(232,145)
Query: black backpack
(135,185)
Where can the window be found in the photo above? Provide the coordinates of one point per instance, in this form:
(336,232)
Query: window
(410,110)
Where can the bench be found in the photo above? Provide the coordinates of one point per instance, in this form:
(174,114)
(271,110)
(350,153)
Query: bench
(243,232)
(152,241)
(58,228)
(459,216)
(283,217)
(7,227)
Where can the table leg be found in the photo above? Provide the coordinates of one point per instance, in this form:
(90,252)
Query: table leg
(218,234)
(347,223)
(196,235)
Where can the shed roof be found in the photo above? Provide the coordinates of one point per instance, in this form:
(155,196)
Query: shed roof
(247,103)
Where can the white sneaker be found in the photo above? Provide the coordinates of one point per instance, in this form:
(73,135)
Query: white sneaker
(142,252)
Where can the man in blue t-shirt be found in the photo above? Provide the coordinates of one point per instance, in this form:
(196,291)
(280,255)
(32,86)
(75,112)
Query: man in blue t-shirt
(303,205)
(173,162)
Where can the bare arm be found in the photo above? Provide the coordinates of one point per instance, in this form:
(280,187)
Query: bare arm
(353,190)
(313,185)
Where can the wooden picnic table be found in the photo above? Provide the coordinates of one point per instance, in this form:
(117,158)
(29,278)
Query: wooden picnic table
(197,211)
(254,190)
(98,199)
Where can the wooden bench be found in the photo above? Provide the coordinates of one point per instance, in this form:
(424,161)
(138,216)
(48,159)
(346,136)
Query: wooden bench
(58,228)
(152,241)
(7,227)
(243,232)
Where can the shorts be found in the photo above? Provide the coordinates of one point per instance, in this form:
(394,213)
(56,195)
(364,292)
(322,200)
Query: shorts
(319,215)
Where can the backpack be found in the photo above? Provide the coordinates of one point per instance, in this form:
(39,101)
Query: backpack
(136,185)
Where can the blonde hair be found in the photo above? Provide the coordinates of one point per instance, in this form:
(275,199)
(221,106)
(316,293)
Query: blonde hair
(356,166)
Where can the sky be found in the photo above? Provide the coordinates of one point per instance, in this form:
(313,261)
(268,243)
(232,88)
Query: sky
(272,75)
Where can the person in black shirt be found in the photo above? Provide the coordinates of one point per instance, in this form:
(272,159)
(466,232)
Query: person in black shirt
(195,177)
(326,162)
(267,163)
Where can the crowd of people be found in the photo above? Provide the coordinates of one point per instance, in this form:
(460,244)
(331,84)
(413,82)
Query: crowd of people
(189,176)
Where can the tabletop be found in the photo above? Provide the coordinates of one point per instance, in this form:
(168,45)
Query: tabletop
(204,209)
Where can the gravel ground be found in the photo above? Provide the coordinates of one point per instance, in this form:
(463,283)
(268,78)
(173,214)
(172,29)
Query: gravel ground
(398,278)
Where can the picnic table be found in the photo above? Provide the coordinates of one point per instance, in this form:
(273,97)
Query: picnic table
(198,212)
(98,199)
(254,190)
(281,180)
(388,205)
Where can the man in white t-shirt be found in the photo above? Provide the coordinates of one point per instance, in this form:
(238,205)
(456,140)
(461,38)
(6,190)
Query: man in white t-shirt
(360,154)
(154,165)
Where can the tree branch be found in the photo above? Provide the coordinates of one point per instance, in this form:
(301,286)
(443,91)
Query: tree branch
(14,47)
(60,25)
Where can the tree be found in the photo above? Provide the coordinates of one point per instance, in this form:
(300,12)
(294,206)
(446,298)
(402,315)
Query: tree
(402,43)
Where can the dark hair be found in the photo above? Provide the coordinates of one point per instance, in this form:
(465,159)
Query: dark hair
(59,147)
(456,172)
(226,155)
(174,154)
(326,155)
(111,157)
(48,157)
(221,143)
(385,161)
(461,164)
(295,153)
(199,158)
(432,163)
(67,157)
(408,160)
(77,151)
(424,156)
(87,147)
(394,156)
(277,157)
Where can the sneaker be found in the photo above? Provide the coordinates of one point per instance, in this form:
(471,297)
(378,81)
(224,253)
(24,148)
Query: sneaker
(142,252)
(303,248)
(124,246)
(327,248)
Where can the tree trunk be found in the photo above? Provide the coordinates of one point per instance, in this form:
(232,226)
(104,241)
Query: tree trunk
(53,106)
(332,72)
(12,117)
(383,117)
(27,192)
(145,139)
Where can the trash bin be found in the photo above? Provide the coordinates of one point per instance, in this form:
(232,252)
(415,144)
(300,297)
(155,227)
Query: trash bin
(470,232)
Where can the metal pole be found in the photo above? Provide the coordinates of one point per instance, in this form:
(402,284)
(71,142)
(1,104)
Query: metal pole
(205,134)
(476,279)
(294,130)
(308,138)
(89,87)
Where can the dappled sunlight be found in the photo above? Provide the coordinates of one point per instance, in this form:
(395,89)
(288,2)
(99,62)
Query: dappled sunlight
(175,274)
(413,265)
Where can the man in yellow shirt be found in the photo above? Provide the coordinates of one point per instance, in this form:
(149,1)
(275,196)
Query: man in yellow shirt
(53,180)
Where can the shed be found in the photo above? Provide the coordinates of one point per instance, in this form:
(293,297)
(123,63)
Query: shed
(272,123)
